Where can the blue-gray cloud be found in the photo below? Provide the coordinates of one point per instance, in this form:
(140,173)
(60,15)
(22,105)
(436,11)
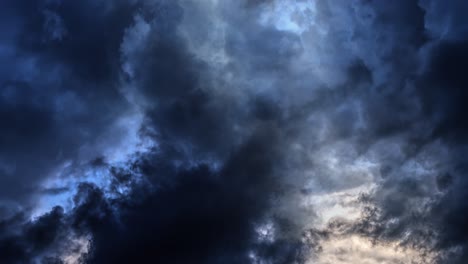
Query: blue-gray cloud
(212,131)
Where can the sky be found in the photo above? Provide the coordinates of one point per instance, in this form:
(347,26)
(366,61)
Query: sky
(233,132)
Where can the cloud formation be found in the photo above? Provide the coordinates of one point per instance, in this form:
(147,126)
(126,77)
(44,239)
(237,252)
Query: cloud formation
(233,132)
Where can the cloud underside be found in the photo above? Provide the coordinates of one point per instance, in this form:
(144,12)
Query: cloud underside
(233,132)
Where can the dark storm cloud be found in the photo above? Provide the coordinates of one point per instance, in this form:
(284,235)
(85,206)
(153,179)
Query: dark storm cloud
(33,239)
(200,212)
(410,204)
(241,125)
(425,110)
(188,209)
(445,97)
(84,37)
(58,86)
(198,215)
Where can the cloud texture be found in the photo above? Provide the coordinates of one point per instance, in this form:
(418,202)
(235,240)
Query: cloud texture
(247,131)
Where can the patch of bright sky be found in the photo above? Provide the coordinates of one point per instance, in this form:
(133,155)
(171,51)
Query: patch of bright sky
(77,248)
(289,16)
(132,142)
(117,154)
(357,249)
(65,177)
(266,232)
(340,204)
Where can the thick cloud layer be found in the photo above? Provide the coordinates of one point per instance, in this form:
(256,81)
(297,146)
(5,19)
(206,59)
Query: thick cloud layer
(233,131)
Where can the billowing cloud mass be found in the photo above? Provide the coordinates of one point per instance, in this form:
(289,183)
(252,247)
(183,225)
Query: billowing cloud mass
(251,131)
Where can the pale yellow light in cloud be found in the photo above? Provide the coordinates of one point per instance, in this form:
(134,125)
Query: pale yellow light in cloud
(359,250)
(342,205)
(77,248)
